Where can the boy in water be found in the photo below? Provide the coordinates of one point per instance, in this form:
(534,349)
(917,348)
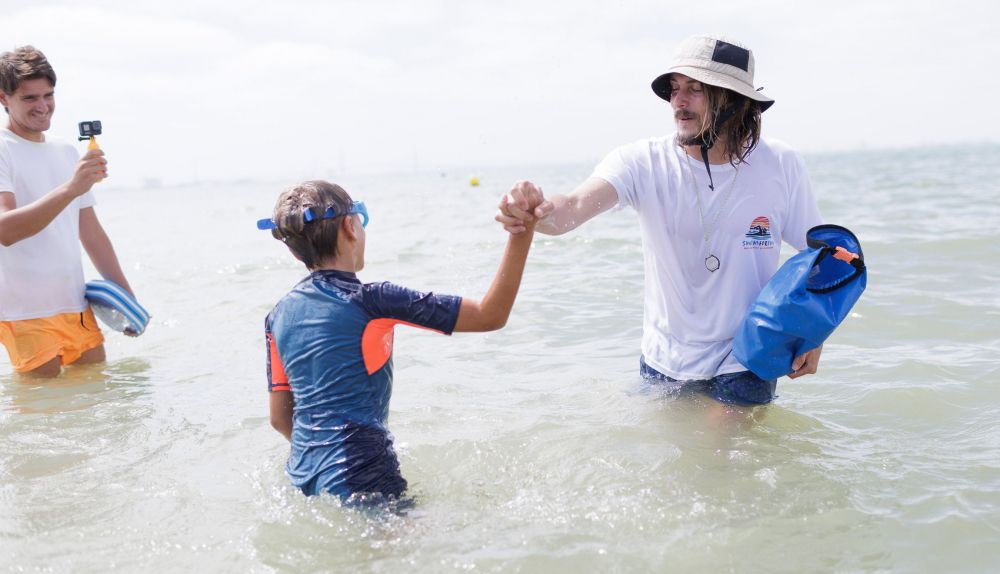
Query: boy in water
(329,342)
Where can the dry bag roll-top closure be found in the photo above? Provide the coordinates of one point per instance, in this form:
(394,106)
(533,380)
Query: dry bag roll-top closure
(803,302)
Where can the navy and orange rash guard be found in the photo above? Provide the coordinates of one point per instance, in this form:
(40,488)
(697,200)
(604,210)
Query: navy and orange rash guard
(329,342)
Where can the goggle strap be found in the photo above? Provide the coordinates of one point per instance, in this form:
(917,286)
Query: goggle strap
(309,215)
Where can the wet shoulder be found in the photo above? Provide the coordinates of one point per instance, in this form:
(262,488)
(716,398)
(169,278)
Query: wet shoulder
(319,285)
(381,296)
(52,149)
(642,155)
(776,150)
(648,147)
(62,144)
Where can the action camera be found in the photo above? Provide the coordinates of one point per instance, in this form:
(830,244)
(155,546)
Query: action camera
(90,129)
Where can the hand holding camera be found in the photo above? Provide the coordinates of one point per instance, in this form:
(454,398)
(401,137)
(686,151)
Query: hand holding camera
(92,167)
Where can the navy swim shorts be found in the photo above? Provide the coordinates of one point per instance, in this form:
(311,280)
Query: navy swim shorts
(742,388)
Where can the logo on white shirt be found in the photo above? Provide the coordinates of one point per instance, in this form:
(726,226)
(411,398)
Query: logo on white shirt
(758,235)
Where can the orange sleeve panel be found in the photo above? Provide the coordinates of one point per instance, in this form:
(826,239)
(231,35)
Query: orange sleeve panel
(376,342)
(279,380)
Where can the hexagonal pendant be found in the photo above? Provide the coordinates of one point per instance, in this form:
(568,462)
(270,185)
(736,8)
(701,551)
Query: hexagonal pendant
(712,263)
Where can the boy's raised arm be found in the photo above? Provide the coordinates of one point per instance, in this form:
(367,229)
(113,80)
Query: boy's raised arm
(491,312)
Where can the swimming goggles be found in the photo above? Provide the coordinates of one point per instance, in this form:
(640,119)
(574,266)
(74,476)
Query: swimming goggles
(309,215)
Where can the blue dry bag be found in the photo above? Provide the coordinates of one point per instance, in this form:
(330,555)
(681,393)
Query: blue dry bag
(803,303)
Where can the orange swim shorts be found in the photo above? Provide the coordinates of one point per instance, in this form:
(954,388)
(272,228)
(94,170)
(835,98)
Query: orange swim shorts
(33,342)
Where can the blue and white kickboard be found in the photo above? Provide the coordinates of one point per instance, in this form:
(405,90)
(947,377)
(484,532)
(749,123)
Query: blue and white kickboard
(115,307)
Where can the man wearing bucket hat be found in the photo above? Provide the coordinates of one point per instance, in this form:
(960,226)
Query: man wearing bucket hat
(714,202)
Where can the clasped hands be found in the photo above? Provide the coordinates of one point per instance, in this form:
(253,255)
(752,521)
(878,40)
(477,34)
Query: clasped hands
(523,205)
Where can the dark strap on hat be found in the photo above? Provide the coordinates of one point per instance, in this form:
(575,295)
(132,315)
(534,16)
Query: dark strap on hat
(708,139)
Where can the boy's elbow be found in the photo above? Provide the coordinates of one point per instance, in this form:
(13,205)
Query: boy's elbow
(283,426)
(485,324)
(497,322)
(480,317)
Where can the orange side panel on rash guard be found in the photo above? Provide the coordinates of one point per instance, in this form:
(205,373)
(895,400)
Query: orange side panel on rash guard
(279,380)
(376,342)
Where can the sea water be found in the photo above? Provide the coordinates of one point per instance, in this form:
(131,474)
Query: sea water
(536,448)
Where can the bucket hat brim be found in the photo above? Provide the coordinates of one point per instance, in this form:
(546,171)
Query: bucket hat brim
(699,58)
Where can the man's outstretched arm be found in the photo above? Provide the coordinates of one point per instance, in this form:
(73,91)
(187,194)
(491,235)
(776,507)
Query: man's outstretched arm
(558,215)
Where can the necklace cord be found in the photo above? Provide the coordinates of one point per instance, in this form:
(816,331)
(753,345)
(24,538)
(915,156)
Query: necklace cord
(706,232)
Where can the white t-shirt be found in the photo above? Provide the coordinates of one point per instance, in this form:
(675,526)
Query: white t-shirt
(691,314)
(42,275)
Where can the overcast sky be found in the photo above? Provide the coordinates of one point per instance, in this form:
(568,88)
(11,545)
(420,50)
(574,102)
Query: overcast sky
(291,89)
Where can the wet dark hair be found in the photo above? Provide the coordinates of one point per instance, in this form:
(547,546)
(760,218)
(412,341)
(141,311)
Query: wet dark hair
(315,241)
(741,132)
(24,63)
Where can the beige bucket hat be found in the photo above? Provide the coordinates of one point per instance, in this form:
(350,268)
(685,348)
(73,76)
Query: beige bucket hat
(716,61)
